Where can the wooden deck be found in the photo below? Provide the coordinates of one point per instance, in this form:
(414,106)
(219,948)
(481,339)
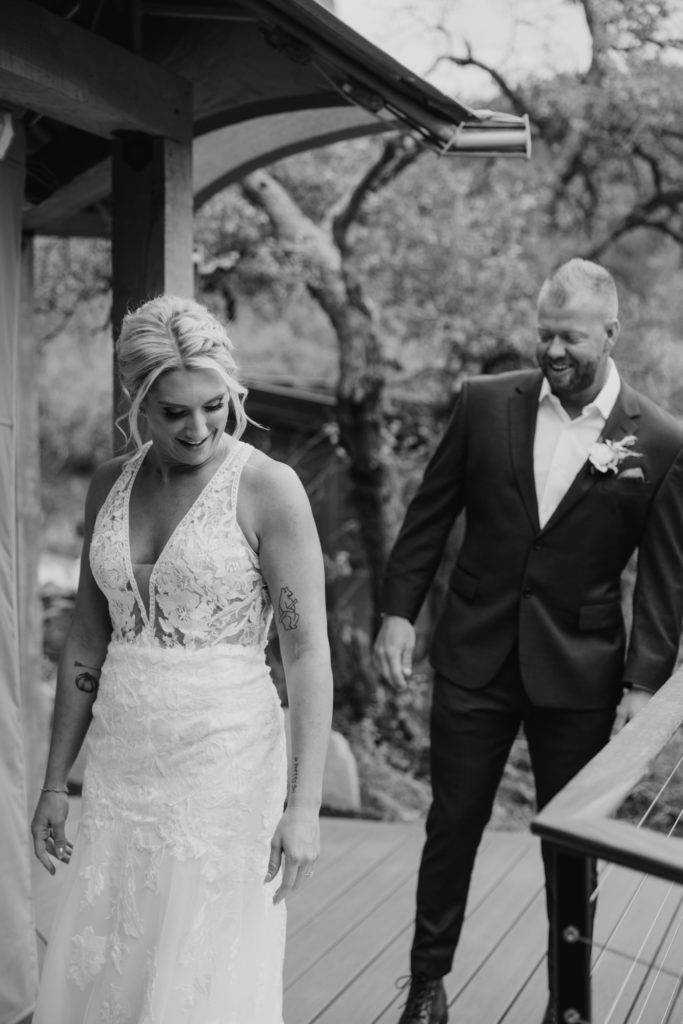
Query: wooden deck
(350,931)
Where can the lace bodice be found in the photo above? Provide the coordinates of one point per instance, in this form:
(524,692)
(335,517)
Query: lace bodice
(206,587)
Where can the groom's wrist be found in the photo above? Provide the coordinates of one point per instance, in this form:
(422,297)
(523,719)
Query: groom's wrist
(639,687)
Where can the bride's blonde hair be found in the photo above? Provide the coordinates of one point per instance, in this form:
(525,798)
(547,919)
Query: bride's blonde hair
(170,333)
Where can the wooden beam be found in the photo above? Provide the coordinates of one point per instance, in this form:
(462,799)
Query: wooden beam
(152,221)
(90,187)
(55,68)
(214,12)
(219,159)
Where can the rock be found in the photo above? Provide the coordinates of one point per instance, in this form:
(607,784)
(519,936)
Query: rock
(341,788)
(58,572)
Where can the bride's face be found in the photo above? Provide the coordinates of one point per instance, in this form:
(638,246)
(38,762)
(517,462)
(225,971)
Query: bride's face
(187,412)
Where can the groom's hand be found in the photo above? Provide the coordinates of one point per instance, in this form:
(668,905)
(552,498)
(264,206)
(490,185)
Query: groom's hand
(393,653)
(631,703)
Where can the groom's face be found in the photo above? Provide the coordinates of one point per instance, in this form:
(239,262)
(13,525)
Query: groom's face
(575,338)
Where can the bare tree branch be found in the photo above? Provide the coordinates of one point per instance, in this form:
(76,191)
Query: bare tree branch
(397,153)
(600,41)
(653,164)
(641,216)
(515,96)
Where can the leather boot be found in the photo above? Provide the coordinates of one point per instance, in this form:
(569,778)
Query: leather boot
(426,1003)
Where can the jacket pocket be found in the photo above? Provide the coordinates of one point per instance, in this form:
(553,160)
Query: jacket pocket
(600,616)
(463,583)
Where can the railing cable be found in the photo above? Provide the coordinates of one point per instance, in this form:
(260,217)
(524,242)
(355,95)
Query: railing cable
(607,947)
(636,892)
(637,958)
(657,976)
(632,968)
(604,875)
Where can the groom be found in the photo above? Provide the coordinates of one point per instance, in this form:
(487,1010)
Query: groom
(562,475)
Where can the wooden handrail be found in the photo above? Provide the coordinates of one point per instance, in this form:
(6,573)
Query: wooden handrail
(578,818)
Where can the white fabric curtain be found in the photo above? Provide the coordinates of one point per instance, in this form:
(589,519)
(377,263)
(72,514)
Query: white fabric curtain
(18,959)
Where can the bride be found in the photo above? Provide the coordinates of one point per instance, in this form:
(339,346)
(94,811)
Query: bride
(172,910)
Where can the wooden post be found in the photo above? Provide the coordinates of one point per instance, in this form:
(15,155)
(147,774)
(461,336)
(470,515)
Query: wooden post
(18,959)
(29,525)
(151,228)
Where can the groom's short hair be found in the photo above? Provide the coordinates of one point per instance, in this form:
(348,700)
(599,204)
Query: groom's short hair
(577,273)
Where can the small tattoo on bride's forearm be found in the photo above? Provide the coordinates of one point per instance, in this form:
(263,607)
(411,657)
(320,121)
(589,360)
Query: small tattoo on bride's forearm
(294,781)
(288,617)
(86,682)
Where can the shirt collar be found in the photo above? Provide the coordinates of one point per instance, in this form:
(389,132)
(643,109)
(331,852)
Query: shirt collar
(604,401)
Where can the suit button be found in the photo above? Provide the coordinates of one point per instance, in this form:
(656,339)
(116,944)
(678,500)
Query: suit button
(527,592)
(537,545)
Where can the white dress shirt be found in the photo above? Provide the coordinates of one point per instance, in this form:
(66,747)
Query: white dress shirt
(561,444)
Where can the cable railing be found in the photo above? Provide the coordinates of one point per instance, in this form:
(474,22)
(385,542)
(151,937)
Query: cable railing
(580,824)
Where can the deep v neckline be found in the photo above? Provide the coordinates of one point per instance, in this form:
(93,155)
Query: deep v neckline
(148,611)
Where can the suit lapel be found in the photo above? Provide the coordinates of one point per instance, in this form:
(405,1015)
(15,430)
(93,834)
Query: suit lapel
(523,408)
(622,421)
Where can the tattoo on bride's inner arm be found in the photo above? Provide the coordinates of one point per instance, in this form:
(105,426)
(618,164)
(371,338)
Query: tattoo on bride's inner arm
(294,781)
(86,682)
(288,617)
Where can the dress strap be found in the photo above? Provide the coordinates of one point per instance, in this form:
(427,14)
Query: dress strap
(123,483)
(238,463)
(130,468)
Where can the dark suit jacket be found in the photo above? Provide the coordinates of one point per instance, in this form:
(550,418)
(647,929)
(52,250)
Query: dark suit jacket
(555,591)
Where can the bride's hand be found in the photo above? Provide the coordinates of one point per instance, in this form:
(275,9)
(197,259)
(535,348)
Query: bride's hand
(296,840)
(47,828)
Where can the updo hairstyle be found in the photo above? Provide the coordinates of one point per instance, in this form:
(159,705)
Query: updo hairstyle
(170,333)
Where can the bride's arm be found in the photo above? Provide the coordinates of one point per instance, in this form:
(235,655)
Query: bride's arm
(77,677)
(292,565)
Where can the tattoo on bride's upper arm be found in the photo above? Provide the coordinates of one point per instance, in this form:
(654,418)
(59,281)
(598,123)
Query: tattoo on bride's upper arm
(288,616)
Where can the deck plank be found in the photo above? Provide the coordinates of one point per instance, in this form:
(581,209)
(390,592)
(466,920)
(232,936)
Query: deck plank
(345,865)
(350,929)
(491,920)
(634,916)
(675,1014)
(487,996)
(527,1000)
(633,989)
(377,881)
(366,971)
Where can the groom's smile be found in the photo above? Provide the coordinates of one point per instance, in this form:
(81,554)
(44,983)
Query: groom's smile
(575,338)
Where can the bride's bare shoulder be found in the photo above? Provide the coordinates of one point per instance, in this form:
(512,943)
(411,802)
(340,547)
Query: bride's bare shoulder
(102,481)
(268,479)
(270,492)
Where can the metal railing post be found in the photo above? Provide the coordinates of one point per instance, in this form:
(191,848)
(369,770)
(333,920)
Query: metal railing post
(571,930)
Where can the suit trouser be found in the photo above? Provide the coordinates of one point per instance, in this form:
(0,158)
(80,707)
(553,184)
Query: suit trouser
(471,735)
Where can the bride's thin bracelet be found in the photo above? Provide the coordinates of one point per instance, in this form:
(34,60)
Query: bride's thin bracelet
(51,789)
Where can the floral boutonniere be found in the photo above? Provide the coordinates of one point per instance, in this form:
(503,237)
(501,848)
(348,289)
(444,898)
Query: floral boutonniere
(606,456)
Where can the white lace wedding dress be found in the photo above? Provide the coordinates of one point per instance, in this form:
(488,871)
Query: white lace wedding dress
(164,917)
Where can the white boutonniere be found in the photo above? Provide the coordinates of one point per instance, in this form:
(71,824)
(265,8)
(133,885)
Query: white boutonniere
(606,456)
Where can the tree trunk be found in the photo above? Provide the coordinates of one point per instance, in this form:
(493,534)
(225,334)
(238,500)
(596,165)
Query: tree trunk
(360,386)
